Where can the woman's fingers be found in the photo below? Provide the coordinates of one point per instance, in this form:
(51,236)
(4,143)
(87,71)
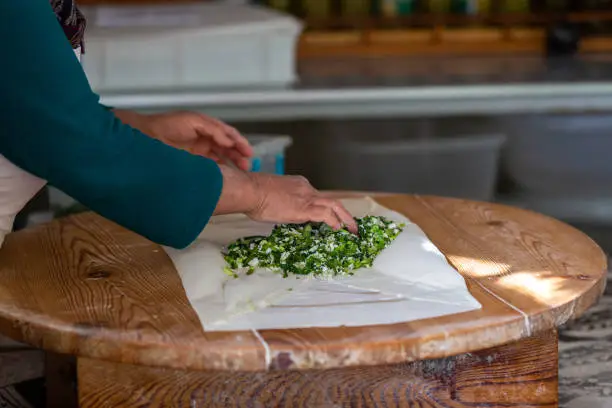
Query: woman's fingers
(240,143)
(333,213)
(214,130)
(228,138)
(216,157)
(234,156)
(340,211)
(203,147)
(320,213)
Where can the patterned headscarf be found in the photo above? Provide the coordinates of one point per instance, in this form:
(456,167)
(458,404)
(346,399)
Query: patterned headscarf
(71,20)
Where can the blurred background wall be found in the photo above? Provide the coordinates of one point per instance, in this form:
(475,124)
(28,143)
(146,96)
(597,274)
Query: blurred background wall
(504,100)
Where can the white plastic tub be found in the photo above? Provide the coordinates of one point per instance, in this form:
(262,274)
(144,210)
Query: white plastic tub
(560,155)
(198,45)
(459,166)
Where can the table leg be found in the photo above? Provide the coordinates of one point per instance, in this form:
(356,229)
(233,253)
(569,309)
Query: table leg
(60,381)
(523,373)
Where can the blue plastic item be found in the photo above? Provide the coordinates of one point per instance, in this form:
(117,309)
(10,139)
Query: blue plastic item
(269,153)
(256,164)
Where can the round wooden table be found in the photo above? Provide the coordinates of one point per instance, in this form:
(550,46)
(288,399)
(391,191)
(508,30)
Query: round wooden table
(85,287)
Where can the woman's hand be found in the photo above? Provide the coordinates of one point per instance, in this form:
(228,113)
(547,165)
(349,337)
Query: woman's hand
(195,132)
(281,199)
(263,197)
(291,199)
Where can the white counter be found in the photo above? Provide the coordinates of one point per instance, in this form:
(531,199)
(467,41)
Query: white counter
(372,102)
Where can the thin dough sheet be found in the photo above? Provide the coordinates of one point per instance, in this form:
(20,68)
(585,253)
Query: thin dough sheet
(410,280)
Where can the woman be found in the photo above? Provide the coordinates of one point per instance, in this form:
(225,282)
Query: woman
(161,176)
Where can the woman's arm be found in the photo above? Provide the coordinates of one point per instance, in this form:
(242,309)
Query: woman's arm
(134,119)
(52,125)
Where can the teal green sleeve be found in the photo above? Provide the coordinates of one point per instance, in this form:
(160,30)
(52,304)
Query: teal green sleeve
(52,125)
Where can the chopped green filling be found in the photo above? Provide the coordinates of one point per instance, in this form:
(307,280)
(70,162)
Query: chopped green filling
(313,248)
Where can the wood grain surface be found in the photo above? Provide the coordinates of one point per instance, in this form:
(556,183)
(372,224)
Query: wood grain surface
(85,286)
(520,374)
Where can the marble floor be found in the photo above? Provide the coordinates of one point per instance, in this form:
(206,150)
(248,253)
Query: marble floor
(585,358)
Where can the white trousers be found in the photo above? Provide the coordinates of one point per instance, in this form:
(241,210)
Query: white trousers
(17,188)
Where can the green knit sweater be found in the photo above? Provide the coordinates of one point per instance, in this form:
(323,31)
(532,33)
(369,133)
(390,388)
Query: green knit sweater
(52,125)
